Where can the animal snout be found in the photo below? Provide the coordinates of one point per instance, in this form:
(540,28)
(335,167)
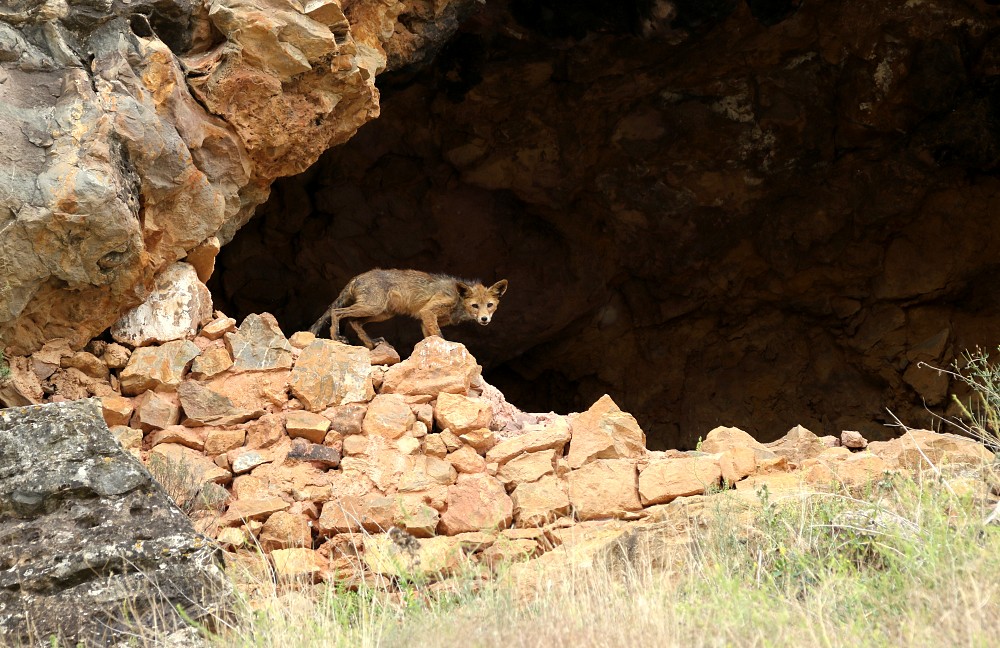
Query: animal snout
(484,319)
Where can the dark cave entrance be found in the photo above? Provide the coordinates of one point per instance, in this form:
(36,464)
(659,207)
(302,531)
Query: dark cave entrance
(709,242)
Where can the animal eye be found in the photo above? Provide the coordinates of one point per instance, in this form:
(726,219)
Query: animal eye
(475,305)
(489,305)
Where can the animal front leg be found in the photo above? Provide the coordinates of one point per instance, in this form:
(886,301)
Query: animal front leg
(429,323)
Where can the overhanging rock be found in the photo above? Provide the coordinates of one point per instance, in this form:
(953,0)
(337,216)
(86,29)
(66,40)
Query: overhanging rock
(91,547)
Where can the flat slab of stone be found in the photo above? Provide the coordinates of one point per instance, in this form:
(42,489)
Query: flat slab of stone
(87,531)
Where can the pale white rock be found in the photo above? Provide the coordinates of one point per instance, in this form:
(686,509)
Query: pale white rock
(178,304)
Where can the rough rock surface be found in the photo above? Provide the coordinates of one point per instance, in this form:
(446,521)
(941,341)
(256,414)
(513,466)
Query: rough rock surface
(88,535)
(137,133)
(757,216)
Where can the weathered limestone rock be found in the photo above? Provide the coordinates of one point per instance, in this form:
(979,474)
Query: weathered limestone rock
(154,411)
(309,426)
(536,437)
(476,503)
(329,373)
(388,416)
(87,532)
(797,445)
(203,406)
(175,308)
(284,530)
(22,386)
(918,449)
(853,439)
(604,488)
(462,414)
(259,345)
(254,390)
(435,366)
(527,467)
(155,367)
(667,479)
(211,363)
(540,502)
(604,432)
(721,439)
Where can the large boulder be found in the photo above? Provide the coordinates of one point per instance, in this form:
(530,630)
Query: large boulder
(92,545)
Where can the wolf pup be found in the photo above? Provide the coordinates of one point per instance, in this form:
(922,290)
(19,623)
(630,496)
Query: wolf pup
(435,299)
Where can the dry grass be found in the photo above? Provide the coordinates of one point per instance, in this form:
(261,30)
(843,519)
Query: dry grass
(904,563)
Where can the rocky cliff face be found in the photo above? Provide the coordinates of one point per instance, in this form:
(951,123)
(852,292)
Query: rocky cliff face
(736,213)
(137,133)
(719,212)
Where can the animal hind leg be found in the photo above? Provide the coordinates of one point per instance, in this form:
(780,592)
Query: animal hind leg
(356,312)
(358,324)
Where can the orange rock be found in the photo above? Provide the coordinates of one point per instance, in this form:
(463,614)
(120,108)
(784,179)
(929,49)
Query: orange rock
(117,410)
(183,464)
(539,502)
(667,479)
(211,362)
(918,449)
(252,391)
(535,437)
(309,426)
(284,530)
(737,463)
(154,410)
(604,432)
(467,460)
(797,445)
(435,366)
(203,406)
(528,467)
(298,564)
(423,472)
(388,416)
(434,446)
(252,509)
(725,438)
(510,550)
(476,503)
(384,354)
(329,373)
(840,466)
(218,441)
(462,414)
(185,436)
(265,431)
(160,367)
(218,327)
(604,488)
(483,440)
(346,419)
(88,363)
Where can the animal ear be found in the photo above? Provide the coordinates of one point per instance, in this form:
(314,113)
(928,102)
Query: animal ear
(499,288)
(463,289)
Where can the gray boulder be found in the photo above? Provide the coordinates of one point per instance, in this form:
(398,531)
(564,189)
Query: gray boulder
(91,548)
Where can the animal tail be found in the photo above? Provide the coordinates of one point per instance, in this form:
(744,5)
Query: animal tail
(342,300)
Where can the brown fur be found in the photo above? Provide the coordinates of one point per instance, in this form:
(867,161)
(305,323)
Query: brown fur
(436,300)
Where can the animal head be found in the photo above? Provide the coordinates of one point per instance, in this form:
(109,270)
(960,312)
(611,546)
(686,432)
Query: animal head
(481,302)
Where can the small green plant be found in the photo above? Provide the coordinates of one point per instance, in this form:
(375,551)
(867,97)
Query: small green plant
(4,368)
(981,413)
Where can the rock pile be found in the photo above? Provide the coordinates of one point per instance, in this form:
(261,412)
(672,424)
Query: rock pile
(338,461)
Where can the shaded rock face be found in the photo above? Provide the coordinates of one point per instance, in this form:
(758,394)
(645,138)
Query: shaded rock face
(89,537)
(138,132)
(740,213)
